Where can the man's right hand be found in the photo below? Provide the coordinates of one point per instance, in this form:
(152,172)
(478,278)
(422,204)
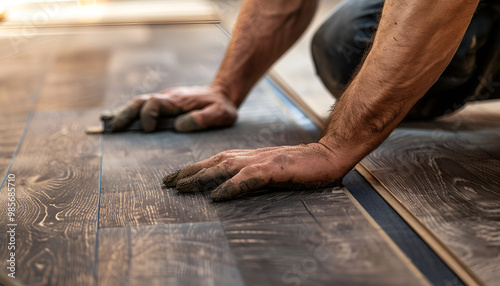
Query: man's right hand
(195,108)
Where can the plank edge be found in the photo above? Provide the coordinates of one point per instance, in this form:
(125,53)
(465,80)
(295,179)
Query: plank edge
(449,258)
(387,239)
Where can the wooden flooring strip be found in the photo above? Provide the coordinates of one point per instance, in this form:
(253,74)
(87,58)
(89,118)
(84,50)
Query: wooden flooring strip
(297,99)
(428,236)
(389,241)
(193,253)
(22,73)
(56,173)
(447,177)
(309,238)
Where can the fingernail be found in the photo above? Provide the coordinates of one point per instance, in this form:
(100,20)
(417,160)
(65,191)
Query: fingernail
(169,180)
(221,193)
(187,123)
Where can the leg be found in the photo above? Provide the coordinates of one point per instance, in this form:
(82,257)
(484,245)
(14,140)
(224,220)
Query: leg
(340,43)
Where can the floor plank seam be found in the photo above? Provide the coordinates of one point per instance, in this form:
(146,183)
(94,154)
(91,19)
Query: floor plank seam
(439,248)
(96,247)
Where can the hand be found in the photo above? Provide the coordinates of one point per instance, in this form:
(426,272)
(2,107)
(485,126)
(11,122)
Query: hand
(235,172)
(198,107)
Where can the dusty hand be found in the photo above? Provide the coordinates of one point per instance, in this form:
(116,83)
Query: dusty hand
(234,172)
(198,107)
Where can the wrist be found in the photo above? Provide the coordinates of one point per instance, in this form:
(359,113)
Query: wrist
(231,91)
(343,158)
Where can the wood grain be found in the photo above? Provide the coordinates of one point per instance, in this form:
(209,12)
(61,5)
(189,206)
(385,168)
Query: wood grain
(18,93)
(309,238)
(194,253)
(56,171)
(446,174)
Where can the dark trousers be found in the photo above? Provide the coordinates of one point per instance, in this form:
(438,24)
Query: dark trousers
(340,43)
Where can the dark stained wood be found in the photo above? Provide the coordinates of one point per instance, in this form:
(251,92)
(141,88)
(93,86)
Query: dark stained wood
(56,171)
(22,70)
(309,238)
(133,167)
(193,253)
(77,80)
(446,174)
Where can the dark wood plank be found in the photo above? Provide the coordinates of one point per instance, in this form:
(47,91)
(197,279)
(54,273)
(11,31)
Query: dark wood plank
(446,174)
(22,72)
(321,239)
(167,254)
(56,171)
(133,166)
(76,81)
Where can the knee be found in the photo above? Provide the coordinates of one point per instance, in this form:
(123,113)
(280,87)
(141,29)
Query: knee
(337,49)
(339,45)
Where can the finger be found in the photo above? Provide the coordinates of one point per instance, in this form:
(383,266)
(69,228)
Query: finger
(171,180)
(123,117)
(204,180)
(153,109)
(213,115)
(249,179)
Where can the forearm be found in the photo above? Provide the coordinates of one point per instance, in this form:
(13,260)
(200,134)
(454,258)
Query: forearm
(263,32)
(414,43)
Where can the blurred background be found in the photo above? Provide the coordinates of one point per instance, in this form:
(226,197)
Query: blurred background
(294,71)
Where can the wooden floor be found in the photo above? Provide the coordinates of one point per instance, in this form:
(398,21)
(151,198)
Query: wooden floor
(447,175)
(91,209)
(442,177)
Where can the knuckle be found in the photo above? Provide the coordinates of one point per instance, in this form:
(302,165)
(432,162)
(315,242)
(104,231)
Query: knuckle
(220,157)
(229,164)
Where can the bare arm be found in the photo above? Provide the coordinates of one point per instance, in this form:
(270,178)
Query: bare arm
(263,32)
(415,42)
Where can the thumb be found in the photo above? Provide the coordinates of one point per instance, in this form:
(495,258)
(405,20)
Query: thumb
(213,115)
